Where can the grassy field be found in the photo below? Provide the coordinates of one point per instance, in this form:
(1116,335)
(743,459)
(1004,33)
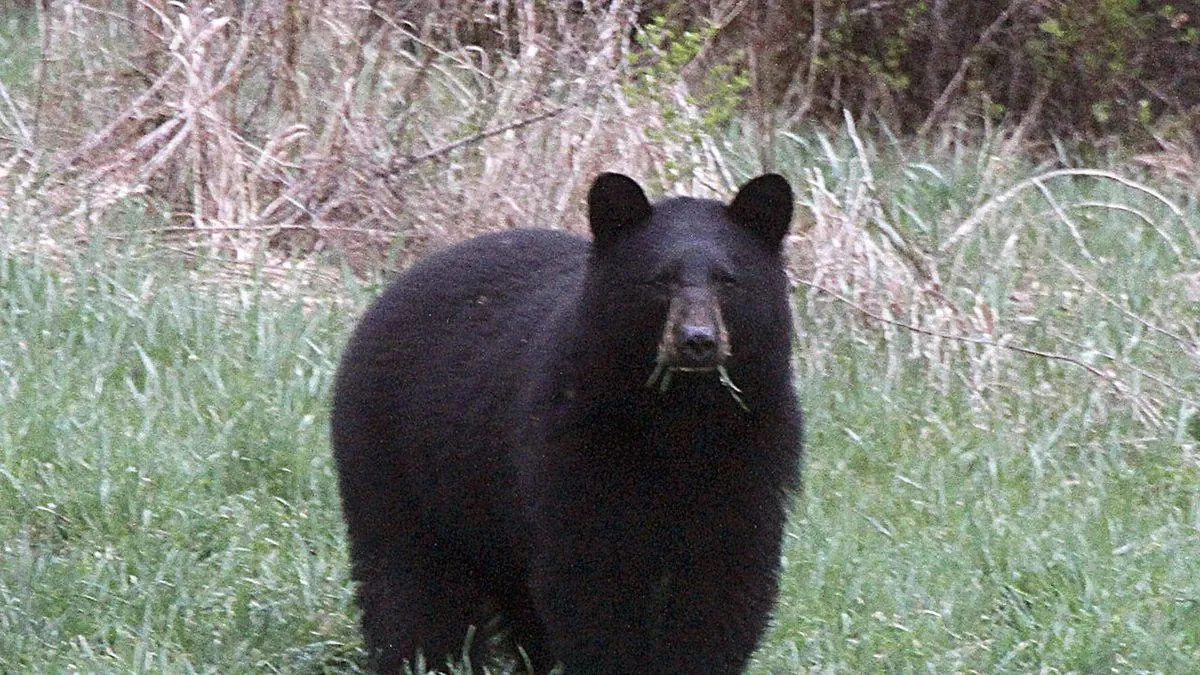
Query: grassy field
(167,500)
(999,359)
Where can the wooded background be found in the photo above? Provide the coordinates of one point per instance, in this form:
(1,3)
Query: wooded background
(332,120)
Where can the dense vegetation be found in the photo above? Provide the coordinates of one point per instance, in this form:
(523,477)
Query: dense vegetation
(999,347)
(1074,69)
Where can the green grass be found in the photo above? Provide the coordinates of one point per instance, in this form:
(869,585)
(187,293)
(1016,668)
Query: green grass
(168,504)
(166,496)
(20,50)
(925,544)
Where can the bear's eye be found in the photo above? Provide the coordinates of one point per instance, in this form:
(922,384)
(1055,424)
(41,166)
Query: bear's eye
(724,278)
(661,280)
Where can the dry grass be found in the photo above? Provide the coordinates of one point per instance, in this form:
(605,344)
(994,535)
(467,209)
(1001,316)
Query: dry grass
(1010,278)
(313,122)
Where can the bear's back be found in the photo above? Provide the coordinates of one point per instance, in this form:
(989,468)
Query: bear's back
(466,301)
(440,350)
(465,284)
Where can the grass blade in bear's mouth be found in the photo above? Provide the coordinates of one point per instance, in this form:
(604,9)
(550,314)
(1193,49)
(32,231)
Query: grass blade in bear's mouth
(662,374)
(732,388)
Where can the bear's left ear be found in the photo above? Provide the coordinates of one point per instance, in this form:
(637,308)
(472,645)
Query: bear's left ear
(616,204)
(764,205)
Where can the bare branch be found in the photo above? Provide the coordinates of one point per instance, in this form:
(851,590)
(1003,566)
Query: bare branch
(1066,220)
(404,163)
(939,106)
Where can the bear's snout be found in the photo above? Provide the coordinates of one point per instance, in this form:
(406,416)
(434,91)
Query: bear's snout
(699,344)
(694,337)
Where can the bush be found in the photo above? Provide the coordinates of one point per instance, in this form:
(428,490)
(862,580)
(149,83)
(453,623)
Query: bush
(1108,66)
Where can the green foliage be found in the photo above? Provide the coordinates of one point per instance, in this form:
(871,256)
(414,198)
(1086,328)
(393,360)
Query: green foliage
(880,66)
(1033,525)
(656,71)
(1094,44)
(926,546)
(1193,426)
(923,546)
(1109,66)
(19,49)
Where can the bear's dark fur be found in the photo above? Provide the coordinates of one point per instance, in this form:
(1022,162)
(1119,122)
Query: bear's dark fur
(587,447)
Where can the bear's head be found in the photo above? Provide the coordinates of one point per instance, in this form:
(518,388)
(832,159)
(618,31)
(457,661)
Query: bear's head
(690,285)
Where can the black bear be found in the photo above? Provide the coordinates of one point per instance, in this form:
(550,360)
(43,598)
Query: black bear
(584,447)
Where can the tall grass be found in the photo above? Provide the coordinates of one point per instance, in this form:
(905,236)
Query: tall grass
(167,497)
(1050,543)
(999,358)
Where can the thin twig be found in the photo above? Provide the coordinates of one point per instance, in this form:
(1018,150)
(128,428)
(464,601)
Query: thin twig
(1183,343)
(403,163)
(1066,220)
(868,184)
(189,229)
(1141,406)
(973,221)
(17,124)
(132,112)
(39,72)
(426,44)
(814,55)
(962,338)
(1141,216)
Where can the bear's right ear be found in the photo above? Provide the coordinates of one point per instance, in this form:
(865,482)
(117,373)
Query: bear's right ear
(615,204)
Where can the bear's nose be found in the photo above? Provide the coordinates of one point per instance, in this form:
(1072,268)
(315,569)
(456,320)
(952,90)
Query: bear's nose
(699,346)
